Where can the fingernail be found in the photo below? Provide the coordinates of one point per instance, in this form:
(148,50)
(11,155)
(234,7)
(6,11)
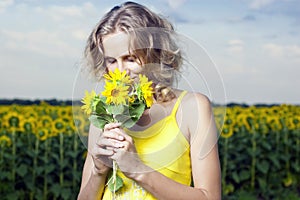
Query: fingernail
(119,145)
(121,137)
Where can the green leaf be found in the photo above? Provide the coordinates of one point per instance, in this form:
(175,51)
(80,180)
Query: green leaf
(98,121)
(55,189)
(267,146)
(262,183)
(119,183)
(130,123)
(275,160)
(126,120)
(235,177)
(263,166)
(122,118)
(22,170)
(66,193)
(100,108)
(49,168)
(244,175)
(115,109)
(136,110)
(12,196)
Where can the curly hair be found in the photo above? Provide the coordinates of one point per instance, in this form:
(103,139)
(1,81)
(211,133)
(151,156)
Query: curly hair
(150,40)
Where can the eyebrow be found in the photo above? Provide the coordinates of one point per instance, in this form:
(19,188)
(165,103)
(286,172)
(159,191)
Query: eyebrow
(108,58)
(123,56)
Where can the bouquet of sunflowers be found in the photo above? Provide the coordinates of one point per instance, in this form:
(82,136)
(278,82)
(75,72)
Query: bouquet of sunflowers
(123,100)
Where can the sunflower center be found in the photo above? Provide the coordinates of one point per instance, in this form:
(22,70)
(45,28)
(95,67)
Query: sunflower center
(115,92)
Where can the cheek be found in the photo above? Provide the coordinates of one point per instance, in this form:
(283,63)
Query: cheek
(136,68)
(111,67)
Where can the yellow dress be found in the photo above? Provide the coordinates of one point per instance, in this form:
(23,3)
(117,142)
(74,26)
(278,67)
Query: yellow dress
(164,148)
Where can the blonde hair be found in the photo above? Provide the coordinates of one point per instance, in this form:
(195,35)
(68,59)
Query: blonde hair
(157,49)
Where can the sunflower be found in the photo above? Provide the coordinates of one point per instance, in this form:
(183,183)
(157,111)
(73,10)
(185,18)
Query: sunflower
(5,141)
(145,90)
(42,134)
(45,121)
(64,111)
(78,122)
(12,120)
(116,93)
(58,125)
(273,122)
(227,131)
(28,124)
(88,101)
(117,76)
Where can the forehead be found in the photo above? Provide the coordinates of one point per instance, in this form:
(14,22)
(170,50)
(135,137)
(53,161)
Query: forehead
(116,44)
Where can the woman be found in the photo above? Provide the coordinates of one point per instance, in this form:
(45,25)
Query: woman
(159,158)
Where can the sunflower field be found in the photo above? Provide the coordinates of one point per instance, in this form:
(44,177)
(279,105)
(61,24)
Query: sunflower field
(260,152)
(42,155)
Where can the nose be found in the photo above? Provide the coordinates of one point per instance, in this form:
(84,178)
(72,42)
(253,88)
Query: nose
(122,66)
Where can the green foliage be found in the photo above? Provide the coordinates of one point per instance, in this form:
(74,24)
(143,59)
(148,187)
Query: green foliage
(256,163)
(259,168)
(104,113)
(118,183)
(41,169)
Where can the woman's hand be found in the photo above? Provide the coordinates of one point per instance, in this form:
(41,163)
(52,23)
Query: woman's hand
(103,149)
(124,153)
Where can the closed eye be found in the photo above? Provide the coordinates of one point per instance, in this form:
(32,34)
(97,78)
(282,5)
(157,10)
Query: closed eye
(130,58)
(109,61)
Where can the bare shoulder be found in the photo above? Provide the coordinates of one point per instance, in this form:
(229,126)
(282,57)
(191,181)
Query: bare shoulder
(196,101)
(196,106)
(197,113)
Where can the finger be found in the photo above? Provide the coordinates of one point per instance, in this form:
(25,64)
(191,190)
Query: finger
(110,126)
(113,134)
(103,152)
(121,133)
(109,143)
(126,145)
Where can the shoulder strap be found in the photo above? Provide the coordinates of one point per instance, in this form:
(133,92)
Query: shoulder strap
(178,102)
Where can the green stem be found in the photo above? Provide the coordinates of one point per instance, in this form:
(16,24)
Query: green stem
(75,149)
(36,151)
(277,141)
(224,166)
(297,148)
(14,149)
(286,150)
(253,162)
(45,186)
(1,156)
(61,159)
(115,167)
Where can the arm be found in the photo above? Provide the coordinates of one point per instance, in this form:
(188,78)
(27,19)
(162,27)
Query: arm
(204,150)
(95,167)
(93,182)
(205,169)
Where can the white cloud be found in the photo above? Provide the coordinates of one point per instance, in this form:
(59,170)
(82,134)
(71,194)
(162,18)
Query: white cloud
(4,4)
(235,46)
(39,42)
(273,50)
(236,42)
(282,51)
(257,4)
(61,12)
(79,34)
(174,4)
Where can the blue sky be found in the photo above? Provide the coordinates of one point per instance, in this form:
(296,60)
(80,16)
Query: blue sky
(254,44)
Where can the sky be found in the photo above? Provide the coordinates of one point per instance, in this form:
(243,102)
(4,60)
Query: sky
(253,44)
